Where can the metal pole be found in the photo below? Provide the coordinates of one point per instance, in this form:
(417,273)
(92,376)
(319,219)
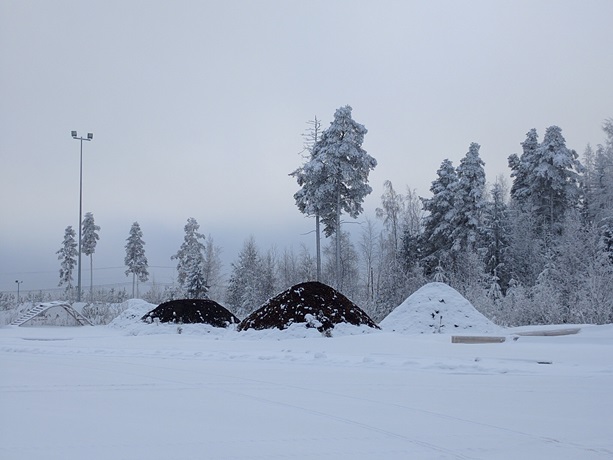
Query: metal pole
(80,218)
(18,283)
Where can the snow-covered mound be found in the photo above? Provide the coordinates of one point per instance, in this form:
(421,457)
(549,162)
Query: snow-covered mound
(437,308)
(187,311)
(133,311)
(314,304)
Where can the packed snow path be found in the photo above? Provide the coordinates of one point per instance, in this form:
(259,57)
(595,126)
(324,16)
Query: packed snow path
(98,394)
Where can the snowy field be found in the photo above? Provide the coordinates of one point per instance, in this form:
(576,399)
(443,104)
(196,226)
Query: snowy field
(105,392)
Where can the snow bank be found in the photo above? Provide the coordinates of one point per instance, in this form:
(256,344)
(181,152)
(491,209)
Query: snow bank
(133,311)
(437,308)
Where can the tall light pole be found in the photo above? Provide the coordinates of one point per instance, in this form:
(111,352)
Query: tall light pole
(18,283)
(89,137)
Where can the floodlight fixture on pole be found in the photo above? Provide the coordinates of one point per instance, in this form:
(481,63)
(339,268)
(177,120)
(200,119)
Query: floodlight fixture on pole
(18,283)
(89,137)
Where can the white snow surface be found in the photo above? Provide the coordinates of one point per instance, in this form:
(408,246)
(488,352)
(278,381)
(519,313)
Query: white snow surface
(437,308)
(144,392)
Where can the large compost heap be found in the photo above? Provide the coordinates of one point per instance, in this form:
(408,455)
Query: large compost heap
(313,303)
(186,311)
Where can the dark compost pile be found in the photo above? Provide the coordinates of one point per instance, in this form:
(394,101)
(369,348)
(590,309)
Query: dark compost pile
(187,311)
(313,303)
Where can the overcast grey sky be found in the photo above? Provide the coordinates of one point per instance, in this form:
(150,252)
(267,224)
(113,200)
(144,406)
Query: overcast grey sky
(197,109)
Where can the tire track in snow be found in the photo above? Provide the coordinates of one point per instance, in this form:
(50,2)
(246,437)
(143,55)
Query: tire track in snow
(602,451)
(349,421)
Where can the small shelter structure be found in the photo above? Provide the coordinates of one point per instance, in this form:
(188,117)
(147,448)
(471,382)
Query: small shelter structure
(40,315)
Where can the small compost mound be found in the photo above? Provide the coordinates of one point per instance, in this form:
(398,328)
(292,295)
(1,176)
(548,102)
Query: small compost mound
(313,303)
(187,311)
(437,308)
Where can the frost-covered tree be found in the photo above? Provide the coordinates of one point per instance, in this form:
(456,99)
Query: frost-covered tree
(88,246)
(368,252)
(135,258)
(599,178)
(555,184)
(295,268)
(67,254)
(436,237)
(546,179)
(391,212)
(191,263)
(337,175)
(307,265)
(469,202)
(347,274)
(496,229)
(212,270)
(522,170)
(310,178)
(244,293)
(413,217)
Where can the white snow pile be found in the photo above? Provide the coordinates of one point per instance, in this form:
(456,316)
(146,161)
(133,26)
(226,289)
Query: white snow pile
(437,308)
(133,311)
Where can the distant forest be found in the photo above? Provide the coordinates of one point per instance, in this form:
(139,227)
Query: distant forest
(537,250)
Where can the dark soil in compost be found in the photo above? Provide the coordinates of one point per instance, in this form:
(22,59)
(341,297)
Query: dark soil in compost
(187,311)
(313,303)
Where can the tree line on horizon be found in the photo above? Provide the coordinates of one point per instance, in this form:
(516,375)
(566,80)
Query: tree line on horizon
(537,251)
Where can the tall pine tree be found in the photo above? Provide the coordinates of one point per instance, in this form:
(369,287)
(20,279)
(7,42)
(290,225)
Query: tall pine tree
(310,178)
(343,167)
(135,259)
(88,246)
(68,255)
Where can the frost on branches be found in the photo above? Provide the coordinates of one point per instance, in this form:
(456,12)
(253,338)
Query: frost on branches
(135,259)
(67,254)
(88,246)
(191,262)
(335,179)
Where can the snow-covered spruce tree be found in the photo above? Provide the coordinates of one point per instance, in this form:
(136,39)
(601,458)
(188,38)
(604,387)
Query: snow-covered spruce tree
(549,180)
(554,183)
(522,170)
(135,259)
(67,254)
(436,239)
(469,202)
(191,262)
(245,292)
(526,250)
(496,228)
(338,175)
(310,178)
(599,178)
(88,247)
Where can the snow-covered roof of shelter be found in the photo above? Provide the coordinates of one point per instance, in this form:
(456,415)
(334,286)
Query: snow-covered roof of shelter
(437,308)
(38,311)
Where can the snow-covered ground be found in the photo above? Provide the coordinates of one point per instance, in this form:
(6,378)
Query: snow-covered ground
(147,392)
